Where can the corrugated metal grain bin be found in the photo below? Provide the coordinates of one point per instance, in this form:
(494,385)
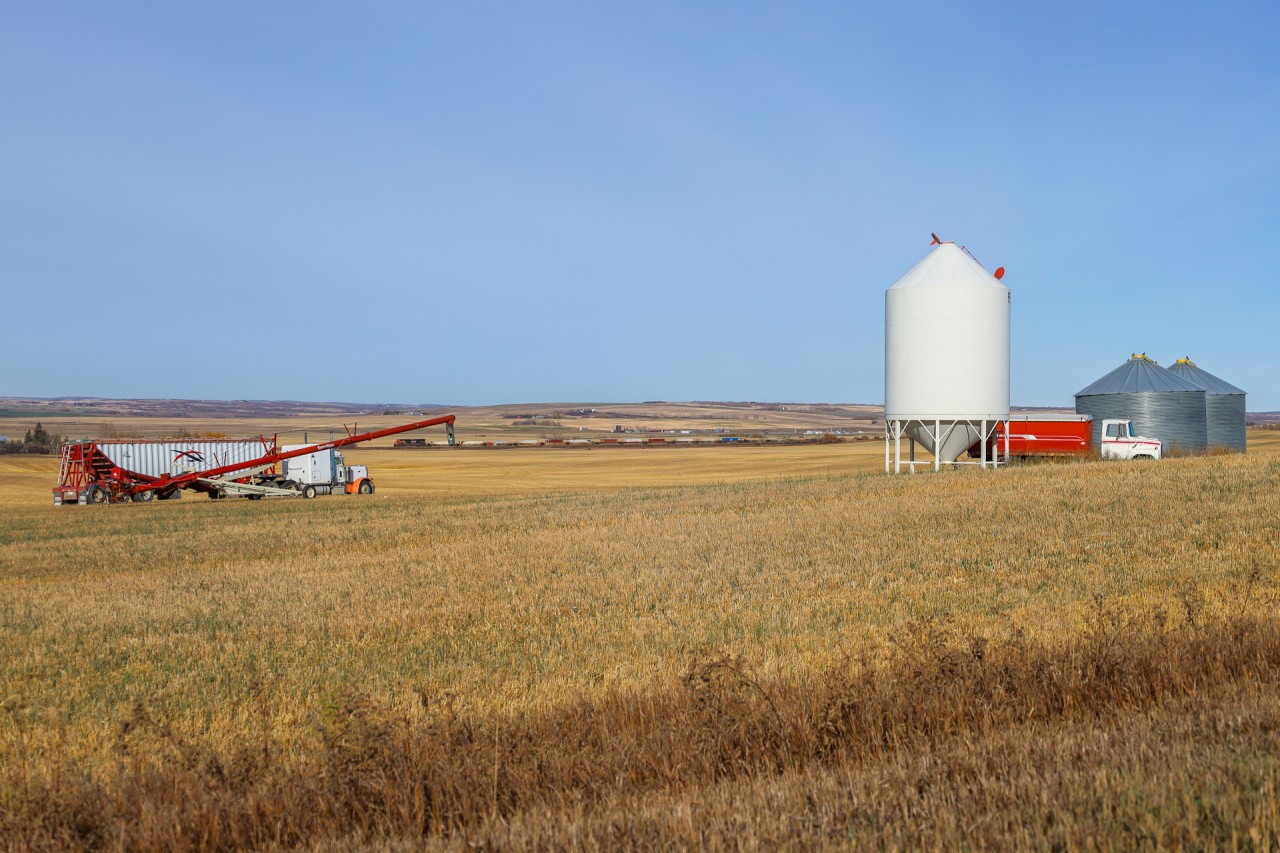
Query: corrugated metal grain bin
(1161,404)
(157,458)
(1223,405)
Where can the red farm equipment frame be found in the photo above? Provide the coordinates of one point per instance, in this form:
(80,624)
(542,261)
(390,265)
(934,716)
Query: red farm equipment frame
(90,474)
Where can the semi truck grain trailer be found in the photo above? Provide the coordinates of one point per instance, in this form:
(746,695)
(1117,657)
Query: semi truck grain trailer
(97,472)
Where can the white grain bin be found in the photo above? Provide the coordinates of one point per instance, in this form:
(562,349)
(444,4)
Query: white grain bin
(946,357)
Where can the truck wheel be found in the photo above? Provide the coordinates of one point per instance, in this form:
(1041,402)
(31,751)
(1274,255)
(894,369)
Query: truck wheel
(144,497)
(121,499)
(366,487)
(308,491)
(95,495)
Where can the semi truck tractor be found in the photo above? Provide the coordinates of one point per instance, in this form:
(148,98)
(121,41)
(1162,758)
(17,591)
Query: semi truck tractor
(324,472)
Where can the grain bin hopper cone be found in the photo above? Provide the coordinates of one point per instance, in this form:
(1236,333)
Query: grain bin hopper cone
(946,358)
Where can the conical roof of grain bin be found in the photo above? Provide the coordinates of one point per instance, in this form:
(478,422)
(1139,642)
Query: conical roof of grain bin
(946,347)
(1224,405)
(1161,404)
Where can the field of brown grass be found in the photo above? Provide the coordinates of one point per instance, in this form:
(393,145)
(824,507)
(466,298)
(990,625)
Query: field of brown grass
(744,647)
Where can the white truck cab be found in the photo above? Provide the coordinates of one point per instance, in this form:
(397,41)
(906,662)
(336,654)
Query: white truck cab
(326,471)
(1119,442)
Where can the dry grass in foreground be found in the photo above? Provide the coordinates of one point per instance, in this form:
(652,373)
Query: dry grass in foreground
(1076,654)
(957,740)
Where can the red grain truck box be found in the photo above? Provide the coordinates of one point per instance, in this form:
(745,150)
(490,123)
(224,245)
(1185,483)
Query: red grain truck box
(1048,435)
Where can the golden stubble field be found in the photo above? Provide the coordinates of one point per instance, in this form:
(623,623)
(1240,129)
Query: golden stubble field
(507,586)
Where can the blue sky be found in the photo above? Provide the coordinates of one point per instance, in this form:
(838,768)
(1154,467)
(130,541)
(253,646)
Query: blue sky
(484,202)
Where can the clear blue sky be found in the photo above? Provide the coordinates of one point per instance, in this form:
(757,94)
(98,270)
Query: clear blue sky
(499,202)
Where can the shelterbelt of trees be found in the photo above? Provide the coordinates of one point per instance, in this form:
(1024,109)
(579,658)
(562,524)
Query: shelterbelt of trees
(36,440)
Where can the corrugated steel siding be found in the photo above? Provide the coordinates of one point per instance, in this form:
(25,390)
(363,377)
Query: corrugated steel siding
(1224,406)
(1225,421)
(156,458)
(1177,418)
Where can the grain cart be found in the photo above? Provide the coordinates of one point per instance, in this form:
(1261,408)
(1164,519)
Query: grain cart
(95,472)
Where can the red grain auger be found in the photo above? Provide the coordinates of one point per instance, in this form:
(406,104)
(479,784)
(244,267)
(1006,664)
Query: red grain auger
(95,472)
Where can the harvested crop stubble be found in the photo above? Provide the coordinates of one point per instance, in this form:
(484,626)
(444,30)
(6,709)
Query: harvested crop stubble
(934,718)
(235,673)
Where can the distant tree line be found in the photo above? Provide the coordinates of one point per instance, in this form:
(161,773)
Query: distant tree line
(38,440)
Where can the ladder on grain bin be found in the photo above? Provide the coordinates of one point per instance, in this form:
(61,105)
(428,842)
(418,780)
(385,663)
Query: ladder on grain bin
(95,478)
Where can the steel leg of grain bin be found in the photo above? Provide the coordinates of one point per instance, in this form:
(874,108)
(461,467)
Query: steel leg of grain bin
(937,448)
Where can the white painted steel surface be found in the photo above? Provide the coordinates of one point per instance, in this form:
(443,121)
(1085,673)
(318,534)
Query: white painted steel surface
(322,468)
(157,458)
(946,352)
(947,341)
